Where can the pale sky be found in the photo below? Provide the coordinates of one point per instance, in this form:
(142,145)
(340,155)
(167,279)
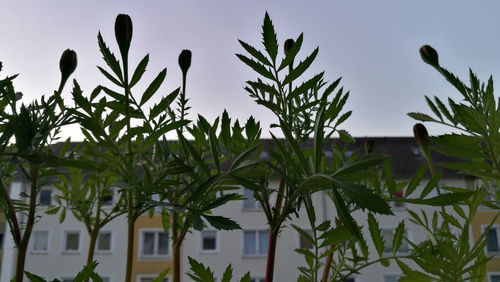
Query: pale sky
(373,45)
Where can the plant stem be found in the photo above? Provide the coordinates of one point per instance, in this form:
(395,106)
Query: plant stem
(23,244)
(328,261)
(177,248)
(93,240)
(271,255)
(16,232)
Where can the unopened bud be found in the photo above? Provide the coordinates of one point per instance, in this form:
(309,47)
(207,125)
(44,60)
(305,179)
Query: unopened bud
(288,45)
(123,33)
(67,64)
(429,55)
(421,135)
(185,61)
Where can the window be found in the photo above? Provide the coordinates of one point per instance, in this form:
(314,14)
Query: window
(253,279)
(71,241)
(388,235)
(493,246)
(45,197)
(304,243)
(349,279)
(1,241)
(150,278)
(209,241)
(40,241)
(391,278)
(494,277)
(255,243)
(250,203)
(107,198)
(104,241)
(154,243)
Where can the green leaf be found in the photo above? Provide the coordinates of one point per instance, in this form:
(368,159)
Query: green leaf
(377,238)
(153,87)
(398,237)
(139,71)
(214,148)
(33,278)
(301,67)
(433,108)
(110,77)
(441,200)
(246,277)
(359,164)
(259,68)
(416,178)
(431,184)
(335,236)
(228,274)
(164,104)
(304,87)
(221,223)
(255,53)
(269,38)
(162,275)
(109,57)
(364,197)
(421,117)
(345,215)
(200,272)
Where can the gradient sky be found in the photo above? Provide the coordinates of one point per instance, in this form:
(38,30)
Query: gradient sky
(373,45)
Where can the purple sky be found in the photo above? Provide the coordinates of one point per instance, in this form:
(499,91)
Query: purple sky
(373,45)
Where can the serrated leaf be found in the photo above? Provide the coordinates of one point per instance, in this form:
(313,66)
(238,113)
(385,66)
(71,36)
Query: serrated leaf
(377,238)
(153,87)
(221,223)
(290,56)
(301,67)
(139,71)
(398,237)
(269,38)
(255,53)
(421,117)
(256,66)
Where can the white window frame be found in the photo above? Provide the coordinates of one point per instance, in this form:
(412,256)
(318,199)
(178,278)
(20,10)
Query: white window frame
(256,254)
(155,247)
(65,238)
(112,242)
(32,243)
(40,196)
(309,231)
(408,235)
(256,207)
(153,276)
(497,227)
(489,274)
(217,242)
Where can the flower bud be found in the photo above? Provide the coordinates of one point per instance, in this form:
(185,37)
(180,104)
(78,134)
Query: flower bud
(288,45)
(429,55)
(123,33)
(185,61)
(421,135)
(368,144)
(67,64)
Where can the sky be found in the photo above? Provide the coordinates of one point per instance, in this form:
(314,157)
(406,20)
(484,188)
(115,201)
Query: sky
(372,45)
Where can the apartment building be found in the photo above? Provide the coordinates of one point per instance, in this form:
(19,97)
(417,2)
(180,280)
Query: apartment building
(58,250)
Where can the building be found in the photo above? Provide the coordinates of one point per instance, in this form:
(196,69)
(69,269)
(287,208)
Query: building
(57,250)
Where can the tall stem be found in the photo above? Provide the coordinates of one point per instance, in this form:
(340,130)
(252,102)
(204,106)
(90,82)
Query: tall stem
(177,247)
(93,240)
(328,262)
(271,255)
(130,246)
(23,244)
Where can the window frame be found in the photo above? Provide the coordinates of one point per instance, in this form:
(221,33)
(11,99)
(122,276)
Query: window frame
(111,242)
(256,249)
(65,240)
(393,230)
(256,204)
(489,274)
(217,242)
(32,243)
(40,197)
(497,227)
(299,236)
(156,231)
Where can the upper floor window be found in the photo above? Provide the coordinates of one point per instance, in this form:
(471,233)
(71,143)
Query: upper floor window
(304,243)
(493,245)
(255,243)
(104,241)
(45,197)
(72,241)
(40,241)
(494,277)
(260,279)
(388,235)
(154,243)
(209,241)
(150,278)
(250,203)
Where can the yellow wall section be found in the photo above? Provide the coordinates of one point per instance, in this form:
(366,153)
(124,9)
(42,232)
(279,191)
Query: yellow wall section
(148,267)
(482,218)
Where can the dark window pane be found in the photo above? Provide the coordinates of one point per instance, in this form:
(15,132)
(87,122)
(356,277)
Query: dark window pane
(162,243)
(104,241)
(148,243)
(209,242)
(45,197)
(492,245)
